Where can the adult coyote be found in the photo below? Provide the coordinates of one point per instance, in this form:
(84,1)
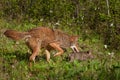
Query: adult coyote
(44,37)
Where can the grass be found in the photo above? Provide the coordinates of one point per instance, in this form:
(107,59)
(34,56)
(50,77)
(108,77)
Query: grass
(14,61)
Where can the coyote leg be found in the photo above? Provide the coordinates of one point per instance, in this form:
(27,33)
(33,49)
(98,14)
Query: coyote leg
(57,47)
(34,44)
(47,55)
(35,52)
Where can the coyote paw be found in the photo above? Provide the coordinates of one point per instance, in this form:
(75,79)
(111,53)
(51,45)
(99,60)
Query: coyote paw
(32,58)
(57,54)
(48,61)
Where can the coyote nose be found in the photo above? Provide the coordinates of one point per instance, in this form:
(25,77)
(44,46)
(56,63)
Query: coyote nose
(74,48)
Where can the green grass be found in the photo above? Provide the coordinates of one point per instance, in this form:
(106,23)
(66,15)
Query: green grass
(14,61)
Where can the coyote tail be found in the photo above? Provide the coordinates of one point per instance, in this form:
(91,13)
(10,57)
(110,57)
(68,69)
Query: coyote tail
(16,35)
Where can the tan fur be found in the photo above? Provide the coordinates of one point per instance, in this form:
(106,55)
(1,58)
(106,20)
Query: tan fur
(43,37)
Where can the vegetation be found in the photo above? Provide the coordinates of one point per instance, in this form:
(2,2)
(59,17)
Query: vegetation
(97,22)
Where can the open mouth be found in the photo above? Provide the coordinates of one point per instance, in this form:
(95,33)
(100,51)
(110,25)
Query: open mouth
(75,49)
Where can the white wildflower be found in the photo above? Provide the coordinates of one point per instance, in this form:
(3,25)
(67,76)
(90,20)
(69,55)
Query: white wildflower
(105,46)
(57,23)
(41,19)
(82,17)
(111,24)
(51,11)
(109,53)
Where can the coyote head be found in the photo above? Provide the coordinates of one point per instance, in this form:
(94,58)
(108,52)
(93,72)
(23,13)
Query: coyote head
(74,43)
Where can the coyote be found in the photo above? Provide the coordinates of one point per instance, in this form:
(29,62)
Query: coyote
(44,37)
